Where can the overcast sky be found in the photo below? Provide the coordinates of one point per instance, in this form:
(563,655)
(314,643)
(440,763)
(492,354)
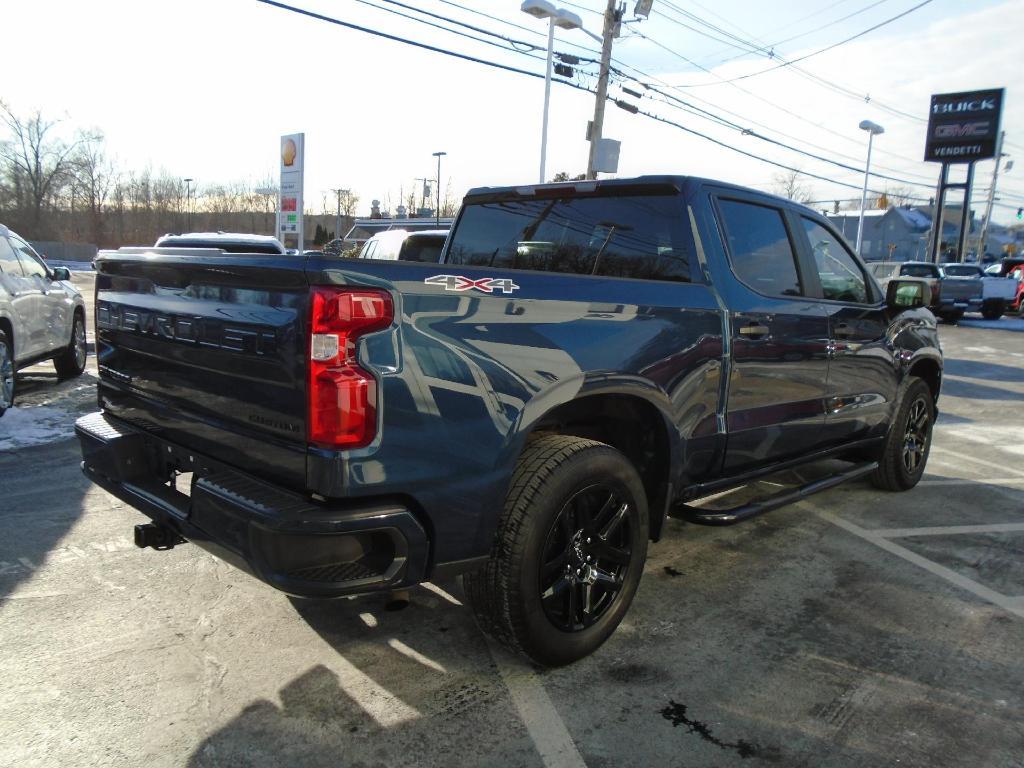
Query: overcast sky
(204,88)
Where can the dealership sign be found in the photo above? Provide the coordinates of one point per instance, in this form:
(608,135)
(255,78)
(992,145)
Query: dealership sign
(963,127)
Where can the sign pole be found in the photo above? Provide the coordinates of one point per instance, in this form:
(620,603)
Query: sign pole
(965,215)
(935,244)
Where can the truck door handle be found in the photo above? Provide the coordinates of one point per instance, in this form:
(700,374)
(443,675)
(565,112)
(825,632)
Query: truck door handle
(755,330)
(845,330)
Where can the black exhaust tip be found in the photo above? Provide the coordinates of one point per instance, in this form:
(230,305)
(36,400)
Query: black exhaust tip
(156,536)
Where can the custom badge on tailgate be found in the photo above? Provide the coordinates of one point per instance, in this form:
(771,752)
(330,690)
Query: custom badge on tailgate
(460,283)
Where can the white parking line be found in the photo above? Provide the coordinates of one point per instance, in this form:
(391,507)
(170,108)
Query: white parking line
(947,530)
(1012,482)
(1009,604)
(957,456)
(542,721)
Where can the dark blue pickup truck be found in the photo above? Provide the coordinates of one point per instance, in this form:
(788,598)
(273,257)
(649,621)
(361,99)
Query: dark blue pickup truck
(587,360)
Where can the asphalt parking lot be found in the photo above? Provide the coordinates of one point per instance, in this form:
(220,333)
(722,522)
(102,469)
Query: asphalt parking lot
(857,628)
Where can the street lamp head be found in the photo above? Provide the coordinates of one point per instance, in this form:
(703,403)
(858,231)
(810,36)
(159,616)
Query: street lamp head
(440,154)
(567,19)
(873,128)
(542,9)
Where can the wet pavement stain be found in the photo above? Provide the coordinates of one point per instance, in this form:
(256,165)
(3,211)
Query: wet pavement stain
(672,571)
(676,714)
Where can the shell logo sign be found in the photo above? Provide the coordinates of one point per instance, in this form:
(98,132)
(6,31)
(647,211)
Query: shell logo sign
(288,152)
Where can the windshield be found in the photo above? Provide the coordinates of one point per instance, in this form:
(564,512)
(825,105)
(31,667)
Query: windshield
(624,236)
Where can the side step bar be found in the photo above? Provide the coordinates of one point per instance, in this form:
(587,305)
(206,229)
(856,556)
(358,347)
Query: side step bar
(781,499)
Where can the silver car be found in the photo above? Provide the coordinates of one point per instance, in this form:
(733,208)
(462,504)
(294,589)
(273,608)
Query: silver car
(42,316)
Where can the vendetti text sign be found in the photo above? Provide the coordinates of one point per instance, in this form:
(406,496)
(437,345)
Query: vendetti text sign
(962,127)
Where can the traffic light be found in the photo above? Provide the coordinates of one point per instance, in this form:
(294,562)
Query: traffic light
(1020,214)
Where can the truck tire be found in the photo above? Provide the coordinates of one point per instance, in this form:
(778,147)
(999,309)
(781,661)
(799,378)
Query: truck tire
(71,361)
(7,373)
(951,317)
(993,310)
(906,448)
(568,553)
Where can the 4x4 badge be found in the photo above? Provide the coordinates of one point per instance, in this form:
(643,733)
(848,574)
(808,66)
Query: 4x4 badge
(485,284)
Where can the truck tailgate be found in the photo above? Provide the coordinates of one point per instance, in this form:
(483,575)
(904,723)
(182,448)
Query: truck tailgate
(209,353)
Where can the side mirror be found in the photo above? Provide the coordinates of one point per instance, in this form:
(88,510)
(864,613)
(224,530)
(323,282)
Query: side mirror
(907,293)
(61,273)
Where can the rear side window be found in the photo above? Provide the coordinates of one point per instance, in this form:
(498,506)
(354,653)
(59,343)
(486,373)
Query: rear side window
(9,264)
(841,277)
(423,249)
(30,262)
(760,249)
(635,236)
(919,270)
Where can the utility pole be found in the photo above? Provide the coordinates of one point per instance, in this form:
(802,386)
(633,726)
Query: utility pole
(991,197)
(423,191)
(337,220)
(612,15)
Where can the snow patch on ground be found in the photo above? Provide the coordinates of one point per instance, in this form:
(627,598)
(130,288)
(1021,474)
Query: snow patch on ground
(21,427)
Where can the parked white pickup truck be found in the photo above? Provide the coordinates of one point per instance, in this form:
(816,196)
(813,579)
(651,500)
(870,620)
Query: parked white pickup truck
(997,292)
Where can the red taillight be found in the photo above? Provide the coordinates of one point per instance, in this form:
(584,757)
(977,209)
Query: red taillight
(343,396)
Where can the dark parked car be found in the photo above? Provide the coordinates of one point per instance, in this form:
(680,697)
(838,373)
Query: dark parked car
(588,359)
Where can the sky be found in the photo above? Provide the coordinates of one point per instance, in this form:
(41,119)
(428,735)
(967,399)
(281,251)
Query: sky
(205,88)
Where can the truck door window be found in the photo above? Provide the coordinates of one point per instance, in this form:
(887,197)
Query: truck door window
(637,236)
(759,248)
(841,277)
(9,264)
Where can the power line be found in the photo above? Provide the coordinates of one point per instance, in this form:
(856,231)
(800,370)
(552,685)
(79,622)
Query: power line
(406,41)
(485,62)
(832,46)
(769,52)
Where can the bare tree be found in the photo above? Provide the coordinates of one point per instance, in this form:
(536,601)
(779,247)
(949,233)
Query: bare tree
(349,201)
(788,184)
(900,196)
(38,161)
(449,206)
(94,177)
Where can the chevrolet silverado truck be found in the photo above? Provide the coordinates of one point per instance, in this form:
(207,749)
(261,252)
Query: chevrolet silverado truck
(587,360)
(997,293)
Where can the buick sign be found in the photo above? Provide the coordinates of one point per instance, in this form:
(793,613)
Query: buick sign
(962,127)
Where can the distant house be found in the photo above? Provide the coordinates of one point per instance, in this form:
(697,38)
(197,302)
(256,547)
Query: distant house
(847,222)
(899,233)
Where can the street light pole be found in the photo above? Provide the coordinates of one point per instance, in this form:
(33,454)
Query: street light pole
(547,99)
(188,205)
(557,17)
(873,129)
(437,213)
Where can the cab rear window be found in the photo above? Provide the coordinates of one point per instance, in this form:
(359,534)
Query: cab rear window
(641,236)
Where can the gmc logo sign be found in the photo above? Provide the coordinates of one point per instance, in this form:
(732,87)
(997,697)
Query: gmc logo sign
(962,130)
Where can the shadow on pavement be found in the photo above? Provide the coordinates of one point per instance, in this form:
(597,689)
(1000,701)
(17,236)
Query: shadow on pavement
(43,494)
(974,369)
(413,676)
(953,387)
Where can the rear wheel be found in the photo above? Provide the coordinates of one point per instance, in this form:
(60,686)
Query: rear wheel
(7,377)
(910,439)
(952,317)
(568,553)
(993,310)
(71,361)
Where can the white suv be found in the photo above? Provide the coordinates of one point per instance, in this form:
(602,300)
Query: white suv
(42,316)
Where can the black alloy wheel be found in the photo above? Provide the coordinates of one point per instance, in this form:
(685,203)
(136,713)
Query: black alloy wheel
(916,435)
(585,558)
